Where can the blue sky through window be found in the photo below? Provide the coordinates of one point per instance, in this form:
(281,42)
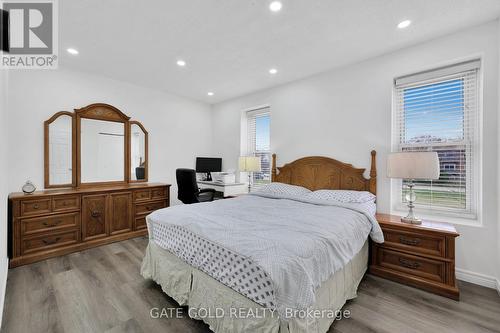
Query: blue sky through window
(262,133)
(434,112)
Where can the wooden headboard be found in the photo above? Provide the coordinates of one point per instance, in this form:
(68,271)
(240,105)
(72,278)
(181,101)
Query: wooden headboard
(317,172)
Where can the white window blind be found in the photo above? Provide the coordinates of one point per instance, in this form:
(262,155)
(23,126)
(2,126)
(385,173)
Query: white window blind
(438,111)
(258,143)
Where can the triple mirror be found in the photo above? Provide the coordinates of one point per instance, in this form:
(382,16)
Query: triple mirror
(95,145)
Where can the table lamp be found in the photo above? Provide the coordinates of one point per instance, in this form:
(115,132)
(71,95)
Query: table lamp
(249,164)
(413,166)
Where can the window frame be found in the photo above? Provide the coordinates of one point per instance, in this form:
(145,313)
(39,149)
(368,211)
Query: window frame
(470,215)
(245,138)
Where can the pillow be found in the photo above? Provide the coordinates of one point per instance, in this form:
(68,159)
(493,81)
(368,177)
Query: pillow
(343,196)
(283,189)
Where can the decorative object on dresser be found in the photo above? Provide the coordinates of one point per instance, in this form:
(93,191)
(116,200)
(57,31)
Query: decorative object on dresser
(413,166)
(91,158)
(421,256)
(249,164)
(28,187)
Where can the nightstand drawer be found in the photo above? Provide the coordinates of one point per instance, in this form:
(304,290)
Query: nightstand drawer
(415,243)
(425,268)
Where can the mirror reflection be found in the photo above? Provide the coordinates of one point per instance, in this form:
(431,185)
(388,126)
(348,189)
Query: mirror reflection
(102,151)
(60,151)
(137,153)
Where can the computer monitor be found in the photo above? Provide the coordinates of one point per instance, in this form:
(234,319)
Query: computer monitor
(208,165)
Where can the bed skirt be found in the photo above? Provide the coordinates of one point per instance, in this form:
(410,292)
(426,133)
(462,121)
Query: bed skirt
(227,311)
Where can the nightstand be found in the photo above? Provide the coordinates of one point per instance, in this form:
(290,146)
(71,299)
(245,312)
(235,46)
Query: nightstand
(422,256)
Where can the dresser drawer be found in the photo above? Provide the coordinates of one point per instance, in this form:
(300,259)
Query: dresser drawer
(35,207)
(158,193)
(50,223)
(142,195)
(429,269)
(47,242)
(149,207)
(140,222)
(64,203)
(416,243)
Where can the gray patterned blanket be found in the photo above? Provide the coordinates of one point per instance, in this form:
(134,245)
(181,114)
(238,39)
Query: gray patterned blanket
(275,251)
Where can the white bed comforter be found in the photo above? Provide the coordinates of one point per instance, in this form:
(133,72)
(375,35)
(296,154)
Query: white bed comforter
(298,243)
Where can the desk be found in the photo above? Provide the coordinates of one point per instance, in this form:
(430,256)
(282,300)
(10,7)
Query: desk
(227,189)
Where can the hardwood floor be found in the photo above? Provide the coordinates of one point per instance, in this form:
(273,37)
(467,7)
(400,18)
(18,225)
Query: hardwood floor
(101,290)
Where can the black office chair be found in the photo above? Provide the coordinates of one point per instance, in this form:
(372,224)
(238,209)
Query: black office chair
(188,191)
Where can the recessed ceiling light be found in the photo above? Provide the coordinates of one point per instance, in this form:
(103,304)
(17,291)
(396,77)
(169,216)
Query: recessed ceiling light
(275,6)
(404,24)
(72,51)
(181,63)
(210,93)
(273,71)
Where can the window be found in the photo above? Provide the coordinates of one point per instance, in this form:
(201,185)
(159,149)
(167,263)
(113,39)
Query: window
(258,143)
(439,111)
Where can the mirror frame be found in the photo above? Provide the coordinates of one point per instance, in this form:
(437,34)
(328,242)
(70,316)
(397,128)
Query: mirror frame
(46,148)
(103,112)
(146,148)
(97,111)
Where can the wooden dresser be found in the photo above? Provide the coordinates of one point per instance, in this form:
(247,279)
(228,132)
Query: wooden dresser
(50,223)
(421,256)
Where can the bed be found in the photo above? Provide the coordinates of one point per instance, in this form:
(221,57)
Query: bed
(285,260)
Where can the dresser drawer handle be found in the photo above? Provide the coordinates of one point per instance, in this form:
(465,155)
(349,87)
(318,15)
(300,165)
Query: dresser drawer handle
(95,214)
(50,242)
(409,241)
(36,206)
(47,224)
(408,263)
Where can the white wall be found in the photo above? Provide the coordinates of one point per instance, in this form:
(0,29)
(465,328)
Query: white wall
(498,193)
(3,186)
(179,128)
(345,113)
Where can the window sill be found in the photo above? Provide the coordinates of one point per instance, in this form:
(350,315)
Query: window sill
(436,217)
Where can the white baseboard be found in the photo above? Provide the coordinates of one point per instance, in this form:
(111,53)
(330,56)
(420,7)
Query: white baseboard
(4,270)
(476,278)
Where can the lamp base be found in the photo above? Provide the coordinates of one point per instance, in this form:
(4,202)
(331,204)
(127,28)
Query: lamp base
(411,220)
(249,182)
(411,197)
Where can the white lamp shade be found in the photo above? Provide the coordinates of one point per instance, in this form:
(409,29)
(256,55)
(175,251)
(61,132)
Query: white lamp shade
(413,165)
(249,164)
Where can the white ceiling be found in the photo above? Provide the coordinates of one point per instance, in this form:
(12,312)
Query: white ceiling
(229,45)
